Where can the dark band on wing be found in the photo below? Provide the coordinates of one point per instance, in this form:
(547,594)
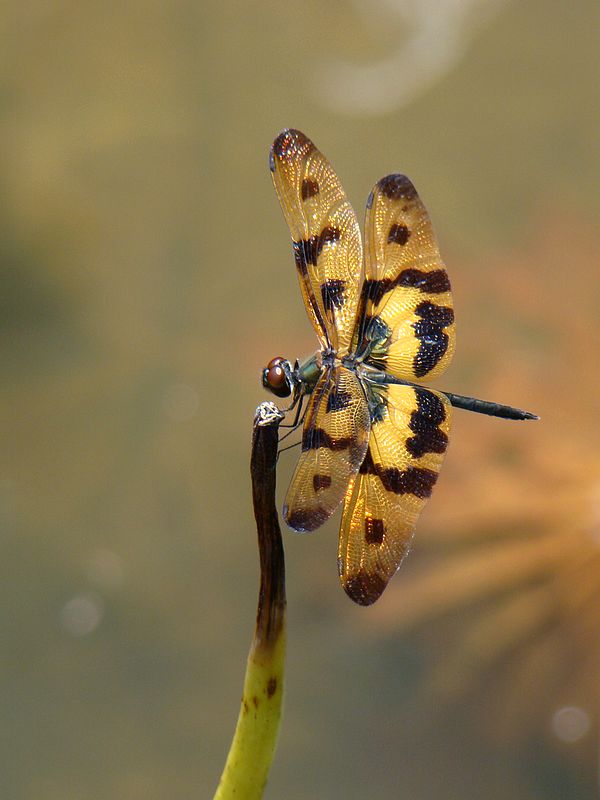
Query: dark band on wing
(399,234)
(434,282)
(374,530)
(424,422)
(434,342)
(321,482)
(332,292)
(307,251)
(338,400)
(313,438)
(412,480)
(309,188)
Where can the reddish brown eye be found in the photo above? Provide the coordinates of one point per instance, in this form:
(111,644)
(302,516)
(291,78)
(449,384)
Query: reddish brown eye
(275,377)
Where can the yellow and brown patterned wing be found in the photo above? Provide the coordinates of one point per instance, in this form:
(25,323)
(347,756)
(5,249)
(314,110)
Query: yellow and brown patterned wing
(334,443)
(406,305)
(325,236)
(409,435)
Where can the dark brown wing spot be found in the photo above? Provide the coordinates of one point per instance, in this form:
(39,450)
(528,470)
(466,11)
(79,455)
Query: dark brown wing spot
(338,400)
(364,587)
(374,530)
(399,234)
(303,254)
(433,340)
(305,520)
(314,438)
(412,480)
(424,422)
(309,188)
(289,144)
(397,187)
(374,289)
(307,251)
(368,465)
(332,292)
(434,282)
(321,482)
(328,234)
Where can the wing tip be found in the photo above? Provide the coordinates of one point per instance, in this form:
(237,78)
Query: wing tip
(364,587)
(305,520)
(397,187)
(287,145)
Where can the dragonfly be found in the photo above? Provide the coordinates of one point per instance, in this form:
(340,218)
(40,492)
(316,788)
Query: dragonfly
(373,436)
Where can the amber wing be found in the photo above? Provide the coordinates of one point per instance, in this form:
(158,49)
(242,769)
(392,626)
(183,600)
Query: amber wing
(406,304)
(334,443)
(325,234)
(409,435)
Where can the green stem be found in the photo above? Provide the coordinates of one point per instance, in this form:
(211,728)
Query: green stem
(251,753)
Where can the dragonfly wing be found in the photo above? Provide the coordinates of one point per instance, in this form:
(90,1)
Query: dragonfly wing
(408,439)
(406,304)
(325,235)
(334,443)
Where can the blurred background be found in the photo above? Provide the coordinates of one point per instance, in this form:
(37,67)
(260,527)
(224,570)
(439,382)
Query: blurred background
(147,276)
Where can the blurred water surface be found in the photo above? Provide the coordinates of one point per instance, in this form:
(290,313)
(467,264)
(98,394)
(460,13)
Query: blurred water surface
(147,276)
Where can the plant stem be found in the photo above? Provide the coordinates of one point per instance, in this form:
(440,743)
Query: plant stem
(251,753)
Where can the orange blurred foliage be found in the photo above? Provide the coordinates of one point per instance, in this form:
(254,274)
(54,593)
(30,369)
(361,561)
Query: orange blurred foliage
(508,558)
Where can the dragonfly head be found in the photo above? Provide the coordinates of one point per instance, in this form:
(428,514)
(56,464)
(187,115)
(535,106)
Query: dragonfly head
(278,377)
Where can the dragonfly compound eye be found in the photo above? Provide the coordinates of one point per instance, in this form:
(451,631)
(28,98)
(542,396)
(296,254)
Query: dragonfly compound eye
(275,378)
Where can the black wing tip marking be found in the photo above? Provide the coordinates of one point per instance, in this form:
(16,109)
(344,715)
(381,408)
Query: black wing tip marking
(304,520)
(397,187)
(364,587)
(289,143)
